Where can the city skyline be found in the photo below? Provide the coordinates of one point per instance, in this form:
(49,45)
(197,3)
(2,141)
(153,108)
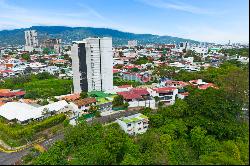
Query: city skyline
(209,21)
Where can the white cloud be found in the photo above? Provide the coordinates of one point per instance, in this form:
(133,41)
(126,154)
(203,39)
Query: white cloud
(177,5)
(12,17)
(22,17)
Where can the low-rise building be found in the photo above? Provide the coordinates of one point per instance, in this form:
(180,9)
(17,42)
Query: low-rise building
(176,84)
(134,124)
(202,85)
(23,113)
(138,97)
(165,94)
(84,104)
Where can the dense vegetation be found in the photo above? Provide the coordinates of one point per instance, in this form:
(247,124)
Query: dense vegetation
(69,34)
(142,60)
(42,85)
(193,131)
(234,51)
(118,82)
(207,127)
(17,134)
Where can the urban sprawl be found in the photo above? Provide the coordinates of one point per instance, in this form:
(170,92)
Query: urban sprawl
(50,82)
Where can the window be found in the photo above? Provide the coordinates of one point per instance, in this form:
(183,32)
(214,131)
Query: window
(139,129)
(139,123)
(129,125)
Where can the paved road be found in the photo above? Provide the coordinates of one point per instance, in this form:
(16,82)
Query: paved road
(11,158)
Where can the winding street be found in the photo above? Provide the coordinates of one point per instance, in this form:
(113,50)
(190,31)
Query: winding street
(12,158)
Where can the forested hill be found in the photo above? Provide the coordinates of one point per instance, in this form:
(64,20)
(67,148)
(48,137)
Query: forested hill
(68,34)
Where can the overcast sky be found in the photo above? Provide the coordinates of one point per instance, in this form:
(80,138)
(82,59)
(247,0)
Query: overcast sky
(204,20)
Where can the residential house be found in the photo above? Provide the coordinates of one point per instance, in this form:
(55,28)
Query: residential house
(202,85)
(83,105)
(138,97)
(165,94)
(176,84)
(134,124)
(8,93)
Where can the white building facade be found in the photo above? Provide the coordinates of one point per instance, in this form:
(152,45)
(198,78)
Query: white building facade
(92,64)
(31,40)
(134,124)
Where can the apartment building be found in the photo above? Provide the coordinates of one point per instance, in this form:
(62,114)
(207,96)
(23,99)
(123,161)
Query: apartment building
(31,40)
(92,64)
(53,44)
(134,124)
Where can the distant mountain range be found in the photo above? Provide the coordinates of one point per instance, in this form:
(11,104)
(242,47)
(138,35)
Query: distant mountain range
(69,34)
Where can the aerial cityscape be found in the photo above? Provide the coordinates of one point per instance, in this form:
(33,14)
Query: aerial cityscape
(134,82)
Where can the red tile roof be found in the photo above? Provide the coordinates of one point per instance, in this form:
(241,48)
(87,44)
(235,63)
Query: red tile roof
(135,93)
(193,81)
(6,71)
(205,86)
(129,95)
(116,70)
(177,82)
(83,102)
(132,66)
(71,97)
(5,90)
(185,93)
(2,103)
(12,94)
(124,86)
(140,91)
(164,89)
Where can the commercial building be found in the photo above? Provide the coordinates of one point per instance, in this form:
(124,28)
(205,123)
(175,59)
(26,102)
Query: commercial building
(24,113)
(92,64)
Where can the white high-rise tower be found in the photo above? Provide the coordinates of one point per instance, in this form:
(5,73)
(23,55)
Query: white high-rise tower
(31,40)
(92,64)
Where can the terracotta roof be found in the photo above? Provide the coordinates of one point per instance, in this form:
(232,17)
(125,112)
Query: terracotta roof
(185,93)
(176,82)
(6,71)
(12,94)
(164,89)
(205,86)
(129,95)
(132,66)
(2,103)
(72,97)
(83,102)
(58,61)
(28,101)
(5,90)
(135,93)
(116,70)
(193,80)
(140,91)
(125,86)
